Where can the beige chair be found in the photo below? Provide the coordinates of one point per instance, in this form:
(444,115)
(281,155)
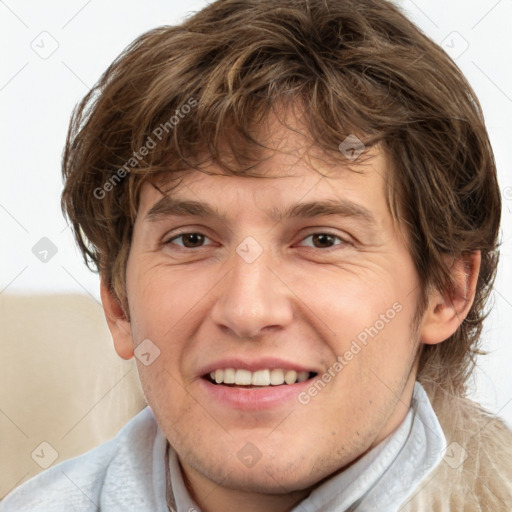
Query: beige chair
(63,389)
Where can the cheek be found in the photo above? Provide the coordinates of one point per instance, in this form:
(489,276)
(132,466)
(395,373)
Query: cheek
(356,297)
(161,299)
(369,313)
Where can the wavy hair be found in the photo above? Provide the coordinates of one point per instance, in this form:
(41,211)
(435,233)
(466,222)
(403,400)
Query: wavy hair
(357,67)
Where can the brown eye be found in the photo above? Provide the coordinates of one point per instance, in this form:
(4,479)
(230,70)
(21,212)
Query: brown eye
(190,240)
(324,240)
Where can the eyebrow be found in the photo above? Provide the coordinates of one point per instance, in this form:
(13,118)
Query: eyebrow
(168,206)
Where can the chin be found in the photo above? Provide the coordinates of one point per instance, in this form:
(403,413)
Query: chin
(275,476)
(264,478)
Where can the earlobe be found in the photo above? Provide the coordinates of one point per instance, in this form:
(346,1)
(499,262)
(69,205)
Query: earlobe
(117,321)
(447,309)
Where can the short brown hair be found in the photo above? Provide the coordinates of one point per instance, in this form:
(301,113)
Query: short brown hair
(357,66)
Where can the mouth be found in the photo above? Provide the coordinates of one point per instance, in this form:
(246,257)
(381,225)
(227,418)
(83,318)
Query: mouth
(255,385)
(264,378)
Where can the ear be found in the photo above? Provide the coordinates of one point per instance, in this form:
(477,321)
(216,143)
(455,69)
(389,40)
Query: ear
(447,309)
(117,321)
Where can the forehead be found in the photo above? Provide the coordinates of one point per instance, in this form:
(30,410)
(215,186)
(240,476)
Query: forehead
(276,197)
(280,144)
(290,169)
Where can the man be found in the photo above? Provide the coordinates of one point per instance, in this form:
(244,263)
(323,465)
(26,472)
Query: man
(294,211)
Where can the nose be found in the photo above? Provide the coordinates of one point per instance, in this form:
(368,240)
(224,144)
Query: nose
(252,299)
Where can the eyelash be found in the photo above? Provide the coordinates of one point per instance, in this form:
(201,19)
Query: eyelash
(325,249)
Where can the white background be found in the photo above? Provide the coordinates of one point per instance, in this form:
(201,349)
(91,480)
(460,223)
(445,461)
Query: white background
(38,94)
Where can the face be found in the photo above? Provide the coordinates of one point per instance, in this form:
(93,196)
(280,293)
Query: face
(249,287)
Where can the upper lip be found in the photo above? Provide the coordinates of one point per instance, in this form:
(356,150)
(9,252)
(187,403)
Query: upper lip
(253,365)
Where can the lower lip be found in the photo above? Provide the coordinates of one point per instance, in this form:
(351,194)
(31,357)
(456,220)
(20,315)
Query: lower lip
(254,398)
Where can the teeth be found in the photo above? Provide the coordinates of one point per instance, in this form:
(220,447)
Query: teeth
(261,378)
(302,376)
(243,378)
(229,376)
(290,377)
(275,377)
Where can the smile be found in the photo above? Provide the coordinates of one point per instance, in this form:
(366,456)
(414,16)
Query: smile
(233,388)
(259,378)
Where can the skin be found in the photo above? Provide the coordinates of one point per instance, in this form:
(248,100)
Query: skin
(303,300)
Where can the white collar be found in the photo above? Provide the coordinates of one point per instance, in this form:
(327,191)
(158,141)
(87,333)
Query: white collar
(383,479)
